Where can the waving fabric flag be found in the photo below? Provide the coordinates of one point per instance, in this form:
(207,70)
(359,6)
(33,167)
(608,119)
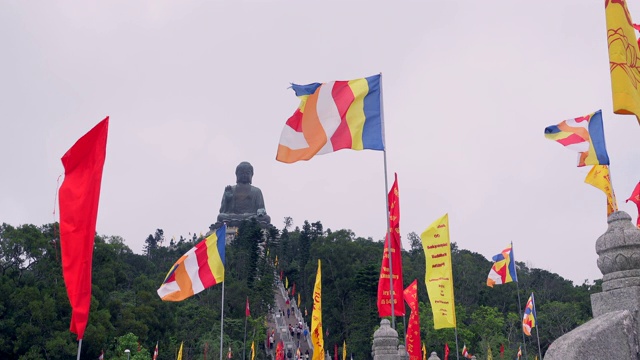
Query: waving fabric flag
(599,177)
(180,351)
(439,273)
(316,318)
(519,354)
(424,352)
(247,311)
(344,349)
(465,353)
(413,330)
(504,268)
(583,134)
(446,351)
(333,116)
(635,198)
(155,352)
(384,293)
(529,318)
(623,59)
(78,200)
(253,350)
(198,269)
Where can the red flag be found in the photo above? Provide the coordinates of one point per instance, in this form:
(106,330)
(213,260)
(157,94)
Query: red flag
(247,313)
(501,350)
(280,351)
(446,351)
(101,357)
(155,352)
(413,330)
(293,290)
(384,295)
(335,352)
(78,201)
(635,198)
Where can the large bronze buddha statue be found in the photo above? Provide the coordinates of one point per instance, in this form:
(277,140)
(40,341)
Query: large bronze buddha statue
(242,201)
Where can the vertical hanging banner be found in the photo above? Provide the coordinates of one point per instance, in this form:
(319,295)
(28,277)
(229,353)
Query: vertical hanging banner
(384,295)
(78,200)
(438,274)
(413,330)
(316,318)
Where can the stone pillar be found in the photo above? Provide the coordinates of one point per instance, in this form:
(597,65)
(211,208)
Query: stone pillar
(385,342)
(402,353)
(613,331)
(433,356)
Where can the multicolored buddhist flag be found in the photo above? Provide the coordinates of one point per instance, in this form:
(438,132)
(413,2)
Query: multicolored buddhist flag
(623,58)
(529,318)
(200,268)
(519,354)
(465,352)
(635,198)
(333,116)
(600,178)
(439,273)
(384,293)
(583,134)
(413,329)
(316,318)
(78,200)
(504,268)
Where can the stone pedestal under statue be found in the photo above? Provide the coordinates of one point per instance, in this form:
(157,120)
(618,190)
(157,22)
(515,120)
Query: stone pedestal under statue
(613,333)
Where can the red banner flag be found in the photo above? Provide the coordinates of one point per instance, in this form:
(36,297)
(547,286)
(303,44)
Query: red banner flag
(78,200)
(635,198)
(247,312)
(280,351)
(293,289)
(501,350)
(384,294)
(446,351)
(413,330)
(335,352)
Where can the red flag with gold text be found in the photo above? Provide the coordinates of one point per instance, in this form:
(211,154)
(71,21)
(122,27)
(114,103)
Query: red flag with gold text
(413,330)
(384,295)
(78,200)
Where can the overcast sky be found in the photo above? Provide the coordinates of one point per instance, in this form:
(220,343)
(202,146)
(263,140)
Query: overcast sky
(193,88)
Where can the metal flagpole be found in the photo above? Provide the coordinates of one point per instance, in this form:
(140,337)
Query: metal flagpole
(79,348)
(386,199)
(538,336)
(524,344)
(221,320)
(244,342)
(455,330)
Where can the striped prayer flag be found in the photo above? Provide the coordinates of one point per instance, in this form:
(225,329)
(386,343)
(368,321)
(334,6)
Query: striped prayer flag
(583,134)
(333,116)
(529,318)
(503,269)
(198,269)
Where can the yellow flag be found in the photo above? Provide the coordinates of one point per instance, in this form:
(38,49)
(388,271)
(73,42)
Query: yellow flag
(424,352)
(298,300)
(438,274)
(599,177)
(286,282)
(316,318)
(180,351)
(344,349)
(253,350)
(624,59)
(276,263)
(489,355)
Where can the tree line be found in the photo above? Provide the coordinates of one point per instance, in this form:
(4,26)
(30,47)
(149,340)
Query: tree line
(126,312)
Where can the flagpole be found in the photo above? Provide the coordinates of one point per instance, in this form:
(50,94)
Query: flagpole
(455,331)
(79,348)
(221,320)
(386,199)
(244,342)
(538,336)
(524,344)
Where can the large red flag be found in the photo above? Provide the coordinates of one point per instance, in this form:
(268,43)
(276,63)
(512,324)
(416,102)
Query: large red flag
(635,197)
(413,330)
(384,295)
(78,199)
(446,351)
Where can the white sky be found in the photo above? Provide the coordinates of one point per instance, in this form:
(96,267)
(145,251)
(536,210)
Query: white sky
(194,88)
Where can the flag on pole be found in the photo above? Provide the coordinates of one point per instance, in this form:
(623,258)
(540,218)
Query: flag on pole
(635,198)
(293,290)
(501,350)
(276,264)
(180,351)
(101,357)
(335,351)
(280,350)
(247,312)
(504,268)
(489,354)
(446,351)
(465,352)
(424,352)
(155,352)
(583,134)
(384,292)
(286,282)
(413,341)
(198,269)
(599,177)
(439,272)
(623,59)
(529,318)
(316,318)
(333,116)
(229,353)
(78,201)
(298,300)
(253,350)
(519,352)
(344,349)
